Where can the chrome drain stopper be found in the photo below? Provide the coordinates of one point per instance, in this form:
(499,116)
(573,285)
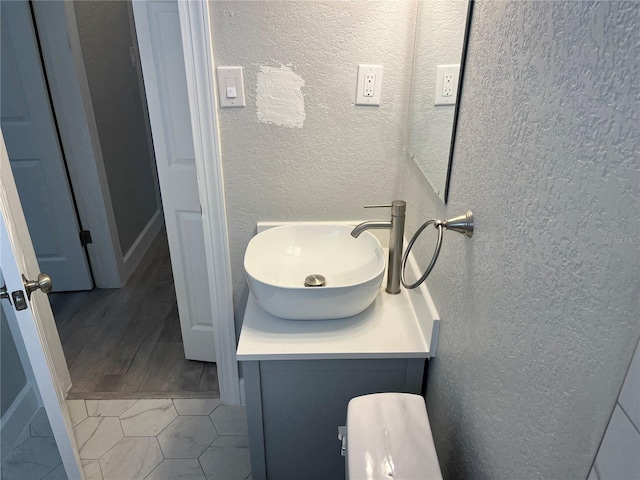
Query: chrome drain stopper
(315,280)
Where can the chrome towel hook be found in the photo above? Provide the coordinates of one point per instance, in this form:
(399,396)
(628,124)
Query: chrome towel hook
(461,224)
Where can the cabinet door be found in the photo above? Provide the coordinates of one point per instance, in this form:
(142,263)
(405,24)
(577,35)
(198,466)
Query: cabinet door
(304,402)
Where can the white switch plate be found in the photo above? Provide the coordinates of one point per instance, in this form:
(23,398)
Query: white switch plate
(369,85)
(230,87)
(447,77)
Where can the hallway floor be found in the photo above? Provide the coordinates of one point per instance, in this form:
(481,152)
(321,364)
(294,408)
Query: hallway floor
(126,343)
(159,439)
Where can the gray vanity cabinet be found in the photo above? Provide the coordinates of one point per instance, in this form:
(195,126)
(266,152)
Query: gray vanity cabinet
(294,408)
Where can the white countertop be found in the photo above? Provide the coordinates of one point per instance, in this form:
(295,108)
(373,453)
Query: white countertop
(389,328)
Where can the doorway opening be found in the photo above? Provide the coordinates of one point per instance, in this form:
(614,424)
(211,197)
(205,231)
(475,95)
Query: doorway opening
(126,342)
(121,342)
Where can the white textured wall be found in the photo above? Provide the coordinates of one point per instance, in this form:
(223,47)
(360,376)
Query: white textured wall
(540,308)
(341,156)
(439,40)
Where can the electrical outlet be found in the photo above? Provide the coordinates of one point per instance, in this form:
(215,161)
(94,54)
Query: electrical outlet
(447,87)
(369,85)
(447,84)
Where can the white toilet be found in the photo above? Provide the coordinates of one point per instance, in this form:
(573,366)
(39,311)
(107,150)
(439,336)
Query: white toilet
(388,436)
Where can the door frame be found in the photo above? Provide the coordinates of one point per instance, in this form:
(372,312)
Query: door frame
(198,58)
(86,162)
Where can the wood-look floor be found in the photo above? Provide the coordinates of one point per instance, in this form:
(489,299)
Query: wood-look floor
(126,342)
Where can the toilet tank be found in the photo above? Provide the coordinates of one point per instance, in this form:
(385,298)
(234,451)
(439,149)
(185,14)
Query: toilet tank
(389,437)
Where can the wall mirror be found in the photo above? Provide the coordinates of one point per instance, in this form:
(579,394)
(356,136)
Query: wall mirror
(441,38)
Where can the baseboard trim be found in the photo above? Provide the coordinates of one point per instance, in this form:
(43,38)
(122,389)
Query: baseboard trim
(17,418)
(143,242)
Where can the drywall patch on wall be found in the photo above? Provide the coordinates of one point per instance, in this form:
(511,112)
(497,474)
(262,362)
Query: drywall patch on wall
(279,97)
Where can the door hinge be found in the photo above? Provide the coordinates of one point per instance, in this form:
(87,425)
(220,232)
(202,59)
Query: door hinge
(85,238)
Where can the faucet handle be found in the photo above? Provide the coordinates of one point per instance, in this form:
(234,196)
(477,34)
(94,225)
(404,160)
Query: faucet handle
(397,207)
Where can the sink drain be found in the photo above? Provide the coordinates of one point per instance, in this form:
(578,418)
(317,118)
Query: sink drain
(315,280)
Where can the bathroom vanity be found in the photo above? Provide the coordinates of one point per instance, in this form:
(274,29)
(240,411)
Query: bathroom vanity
(300,375)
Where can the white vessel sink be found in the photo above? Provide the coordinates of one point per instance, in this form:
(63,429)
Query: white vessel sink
(279,260)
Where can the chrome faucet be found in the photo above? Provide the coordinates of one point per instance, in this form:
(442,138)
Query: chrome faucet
(396,235)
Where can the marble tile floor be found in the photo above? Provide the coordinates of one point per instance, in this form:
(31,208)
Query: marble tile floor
(152,439)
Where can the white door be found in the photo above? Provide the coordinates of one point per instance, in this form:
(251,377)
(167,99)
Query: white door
(35,322)
(36,159)
(160,43)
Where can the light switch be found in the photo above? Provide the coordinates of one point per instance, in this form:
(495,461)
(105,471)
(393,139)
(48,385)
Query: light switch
(232,91)
(230,87)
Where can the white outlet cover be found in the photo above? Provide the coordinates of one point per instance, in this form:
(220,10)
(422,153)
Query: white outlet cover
(363,71)
(441,71)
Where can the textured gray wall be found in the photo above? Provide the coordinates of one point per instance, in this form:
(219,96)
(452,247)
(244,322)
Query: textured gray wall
(105,38)
(342,156)
(540,308)
(12,374)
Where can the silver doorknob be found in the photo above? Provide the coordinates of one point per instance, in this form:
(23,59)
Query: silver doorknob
(43,284)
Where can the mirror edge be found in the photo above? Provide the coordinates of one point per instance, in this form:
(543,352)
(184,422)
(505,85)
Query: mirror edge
(463,61)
